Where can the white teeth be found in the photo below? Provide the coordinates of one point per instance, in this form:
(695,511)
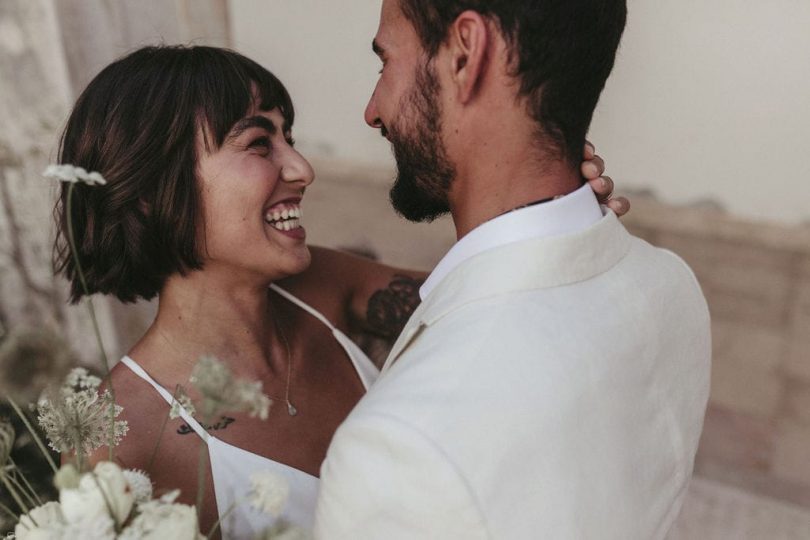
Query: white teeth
(285,219)
(288,225)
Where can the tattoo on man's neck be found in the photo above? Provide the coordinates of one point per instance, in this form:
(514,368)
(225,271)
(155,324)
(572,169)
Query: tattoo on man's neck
(390,308)
(223,423)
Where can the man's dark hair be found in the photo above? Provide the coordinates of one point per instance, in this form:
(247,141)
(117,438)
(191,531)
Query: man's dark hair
(563,52)
(136,123)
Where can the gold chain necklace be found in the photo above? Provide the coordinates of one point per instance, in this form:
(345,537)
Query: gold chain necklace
(291,410)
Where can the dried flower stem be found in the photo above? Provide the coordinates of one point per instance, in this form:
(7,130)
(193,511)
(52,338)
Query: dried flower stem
(202,468)
(107,503)
(13,492)
(219,521)
(26,482)
(79,450)
(105,362)
(152,458)
(32,500)
(9,511)
(33,433)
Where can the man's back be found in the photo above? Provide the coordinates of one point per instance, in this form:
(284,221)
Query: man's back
(553,388)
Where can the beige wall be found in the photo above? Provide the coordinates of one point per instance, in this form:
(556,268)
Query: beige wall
(709,100)
(321,50)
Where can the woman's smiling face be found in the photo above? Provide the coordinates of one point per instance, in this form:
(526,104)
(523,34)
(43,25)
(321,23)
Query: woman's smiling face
(251,189)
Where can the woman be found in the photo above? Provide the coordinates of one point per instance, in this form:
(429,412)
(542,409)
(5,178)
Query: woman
(202,209)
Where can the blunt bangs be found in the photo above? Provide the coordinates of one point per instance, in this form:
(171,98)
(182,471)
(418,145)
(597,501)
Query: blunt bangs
(229,84)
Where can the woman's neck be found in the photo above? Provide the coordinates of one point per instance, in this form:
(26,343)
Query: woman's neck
(200,315)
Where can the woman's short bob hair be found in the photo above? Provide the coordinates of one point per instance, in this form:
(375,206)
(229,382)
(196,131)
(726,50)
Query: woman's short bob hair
(137,123)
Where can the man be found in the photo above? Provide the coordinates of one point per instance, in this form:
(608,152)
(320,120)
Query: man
(553,381)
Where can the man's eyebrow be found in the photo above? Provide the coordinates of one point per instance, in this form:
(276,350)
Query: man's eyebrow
(255,121)
(378,50)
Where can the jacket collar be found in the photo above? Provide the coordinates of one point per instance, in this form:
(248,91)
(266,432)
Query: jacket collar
(537,263)
(564,215)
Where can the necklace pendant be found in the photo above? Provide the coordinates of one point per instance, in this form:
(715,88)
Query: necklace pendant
(291,410)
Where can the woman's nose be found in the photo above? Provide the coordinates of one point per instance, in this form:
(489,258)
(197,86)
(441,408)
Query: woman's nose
(296,169)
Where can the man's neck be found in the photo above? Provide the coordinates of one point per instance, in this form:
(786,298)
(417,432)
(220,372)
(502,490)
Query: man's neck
(482,193)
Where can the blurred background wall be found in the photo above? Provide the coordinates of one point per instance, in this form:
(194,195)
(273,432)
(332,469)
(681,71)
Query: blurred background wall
(703,123)
(707,102)
(49,50)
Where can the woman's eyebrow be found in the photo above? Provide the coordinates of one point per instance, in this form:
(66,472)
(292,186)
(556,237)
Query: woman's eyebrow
(250,122)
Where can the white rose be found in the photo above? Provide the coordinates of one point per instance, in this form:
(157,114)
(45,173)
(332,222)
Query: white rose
(158,521)
(51,525)
(47,517)
(88,502)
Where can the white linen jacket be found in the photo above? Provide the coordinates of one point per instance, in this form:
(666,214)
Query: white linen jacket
(550,388)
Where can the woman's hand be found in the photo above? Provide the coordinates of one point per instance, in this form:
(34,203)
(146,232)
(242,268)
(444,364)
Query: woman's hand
(592,169)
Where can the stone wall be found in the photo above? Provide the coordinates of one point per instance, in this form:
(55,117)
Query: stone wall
(34,100)
(49,50)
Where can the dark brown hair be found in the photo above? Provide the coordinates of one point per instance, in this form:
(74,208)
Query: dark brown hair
(136,123)
(563,52)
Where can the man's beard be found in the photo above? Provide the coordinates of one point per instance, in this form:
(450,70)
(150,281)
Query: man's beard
(424,174)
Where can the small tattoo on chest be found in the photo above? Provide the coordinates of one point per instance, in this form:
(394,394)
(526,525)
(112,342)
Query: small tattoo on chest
(224,422)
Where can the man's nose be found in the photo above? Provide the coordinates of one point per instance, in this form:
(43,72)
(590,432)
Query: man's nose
(372,116)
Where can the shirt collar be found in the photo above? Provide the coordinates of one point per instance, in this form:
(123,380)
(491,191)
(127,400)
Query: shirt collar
(573,213)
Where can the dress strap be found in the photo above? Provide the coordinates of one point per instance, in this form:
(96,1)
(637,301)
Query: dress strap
(363,365)
(139,371)
(303,305)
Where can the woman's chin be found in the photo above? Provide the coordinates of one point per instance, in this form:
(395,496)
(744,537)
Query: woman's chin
(294,262)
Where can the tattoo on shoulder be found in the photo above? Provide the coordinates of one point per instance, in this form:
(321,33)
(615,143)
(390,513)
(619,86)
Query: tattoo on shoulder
(224,422)
(390,308)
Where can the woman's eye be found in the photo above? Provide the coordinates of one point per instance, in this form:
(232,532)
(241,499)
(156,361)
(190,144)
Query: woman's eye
(290,141)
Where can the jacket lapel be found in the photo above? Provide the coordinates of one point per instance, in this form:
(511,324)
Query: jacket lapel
(411,330)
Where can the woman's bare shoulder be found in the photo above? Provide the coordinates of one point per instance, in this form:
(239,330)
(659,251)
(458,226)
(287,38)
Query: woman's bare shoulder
(143,409)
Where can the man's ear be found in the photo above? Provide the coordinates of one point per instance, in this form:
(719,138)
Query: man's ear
(468,43)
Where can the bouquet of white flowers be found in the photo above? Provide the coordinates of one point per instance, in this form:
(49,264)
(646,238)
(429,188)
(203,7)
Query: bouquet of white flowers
(107,503)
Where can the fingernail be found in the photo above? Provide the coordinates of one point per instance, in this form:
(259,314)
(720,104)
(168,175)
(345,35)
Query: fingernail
(604,182)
